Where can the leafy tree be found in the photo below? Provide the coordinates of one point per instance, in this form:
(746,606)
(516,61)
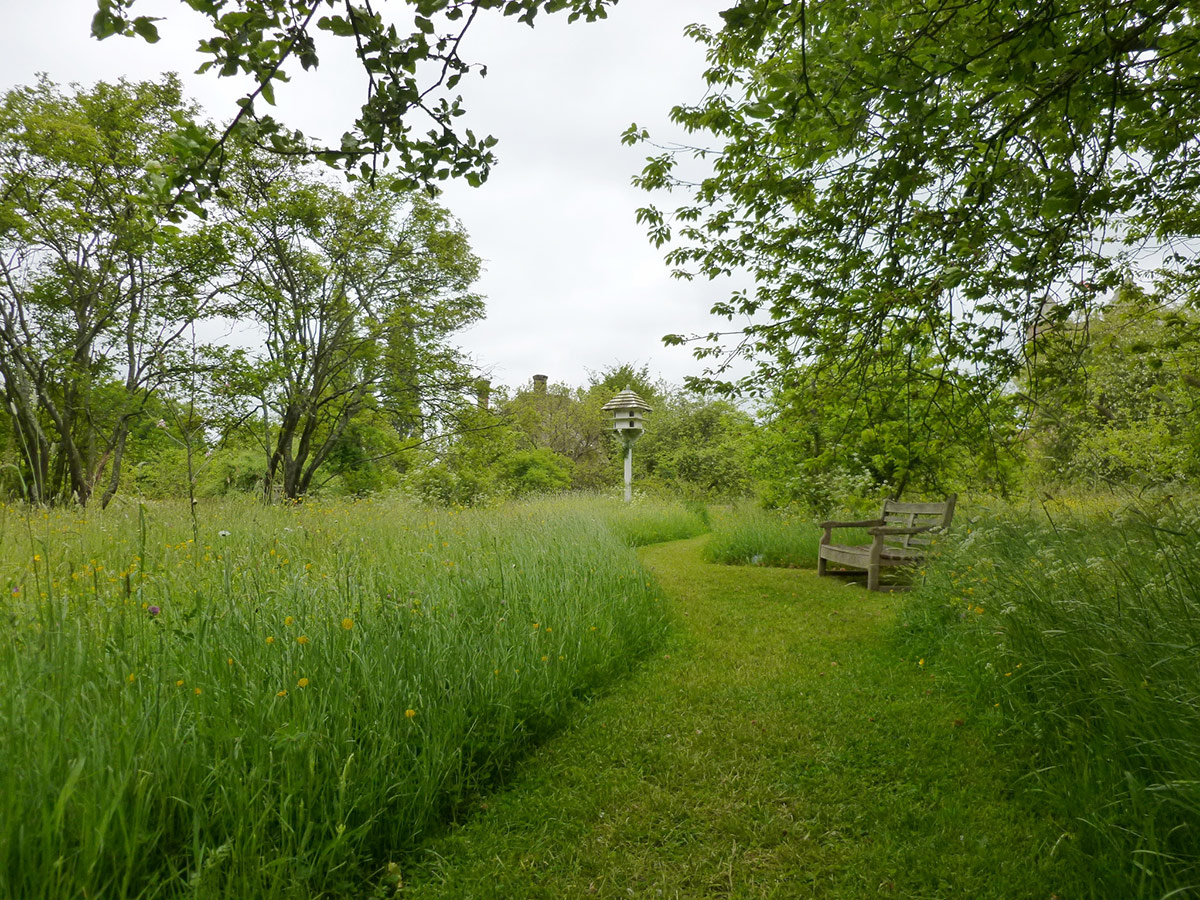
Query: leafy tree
(96,294)
(610,381)
(567,421)
(355,294)
(911,172)
(1119,399)
(536,471)
(698,446)
(887,419)
(465,466)
(263,39)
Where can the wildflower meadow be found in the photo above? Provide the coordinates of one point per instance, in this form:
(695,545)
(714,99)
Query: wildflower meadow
(277,709)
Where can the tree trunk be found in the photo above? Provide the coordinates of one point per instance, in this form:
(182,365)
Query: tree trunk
(114,478)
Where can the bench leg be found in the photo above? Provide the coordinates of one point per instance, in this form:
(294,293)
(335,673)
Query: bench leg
(873,563)
(821,564)
(873,577)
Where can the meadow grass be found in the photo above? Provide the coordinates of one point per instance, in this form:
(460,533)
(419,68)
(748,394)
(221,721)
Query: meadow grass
(277,710)
(1076,628)
(746,534)
(777,746)
(650,520)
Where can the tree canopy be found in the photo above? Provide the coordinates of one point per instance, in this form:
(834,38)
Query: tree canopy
(355,294)
(965,171)
(95,297)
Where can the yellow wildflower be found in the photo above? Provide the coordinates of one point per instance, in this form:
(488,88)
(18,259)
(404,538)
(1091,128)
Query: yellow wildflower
(303,639)
(410,713)
(303,682)
(281,693)
(347,623)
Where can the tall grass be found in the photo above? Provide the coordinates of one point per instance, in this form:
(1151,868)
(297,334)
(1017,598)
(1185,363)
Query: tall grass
(651,521)
(278,710)
(1081,636)
(746,534)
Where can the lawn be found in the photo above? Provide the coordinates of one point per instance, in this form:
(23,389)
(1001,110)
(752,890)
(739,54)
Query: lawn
(778,746)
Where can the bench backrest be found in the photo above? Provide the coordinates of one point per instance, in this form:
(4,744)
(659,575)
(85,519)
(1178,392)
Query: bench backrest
(915,515)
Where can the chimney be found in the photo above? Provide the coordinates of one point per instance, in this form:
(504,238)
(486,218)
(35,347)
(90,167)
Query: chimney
(483,392)
(539,384)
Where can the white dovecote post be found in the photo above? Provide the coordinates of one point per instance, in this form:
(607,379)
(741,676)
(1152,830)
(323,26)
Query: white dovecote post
(628,411)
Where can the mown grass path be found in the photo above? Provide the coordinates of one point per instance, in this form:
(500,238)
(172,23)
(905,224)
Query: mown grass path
(776,747)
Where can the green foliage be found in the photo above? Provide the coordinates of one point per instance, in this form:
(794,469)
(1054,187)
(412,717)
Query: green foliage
(1117,400)
(440,484)
(315,685)
(930,175)
(1076,631)
(626,377)
(697,446)
(566,421)
(883,420)
(265,38)
(537,471)
(96,293)
(231,471)
(694,447)
(356,293)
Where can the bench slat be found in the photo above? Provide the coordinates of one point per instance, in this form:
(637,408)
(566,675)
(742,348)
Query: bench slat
(925,509)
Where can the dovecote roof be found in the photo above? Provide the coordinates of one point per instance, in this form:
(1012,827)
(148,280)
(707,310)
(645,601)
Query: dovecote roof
(627,399)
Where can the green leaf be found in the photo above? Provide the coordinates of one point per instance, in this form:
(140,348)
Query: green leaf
(145,28)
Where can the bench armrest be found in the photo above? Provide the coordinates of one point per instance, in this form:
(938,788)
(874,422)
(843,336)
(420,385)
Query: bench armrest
(865,523)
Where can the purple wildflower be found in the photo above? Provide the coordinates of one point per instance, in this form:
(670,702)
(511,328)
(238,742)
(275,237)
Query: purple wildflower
(154,611)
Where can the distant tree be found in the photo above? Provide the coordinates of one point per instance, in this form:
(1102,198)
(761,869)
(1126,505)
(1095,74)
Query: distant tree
(355,294)
(608,382)
(698,446)
(536,471)
(96,293)
(1118,395)
(567,421)
(887,419)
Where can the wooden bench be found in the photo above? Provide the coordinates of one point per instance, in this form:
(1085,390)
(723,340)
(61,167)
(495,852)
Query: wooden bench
(900,537)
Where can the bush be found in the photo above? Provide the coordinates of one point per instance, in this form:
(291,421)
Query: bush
(539,471)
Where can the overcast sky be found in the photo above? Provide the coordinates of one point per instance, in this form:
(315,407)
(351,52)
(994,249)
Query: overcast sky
(571,282)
